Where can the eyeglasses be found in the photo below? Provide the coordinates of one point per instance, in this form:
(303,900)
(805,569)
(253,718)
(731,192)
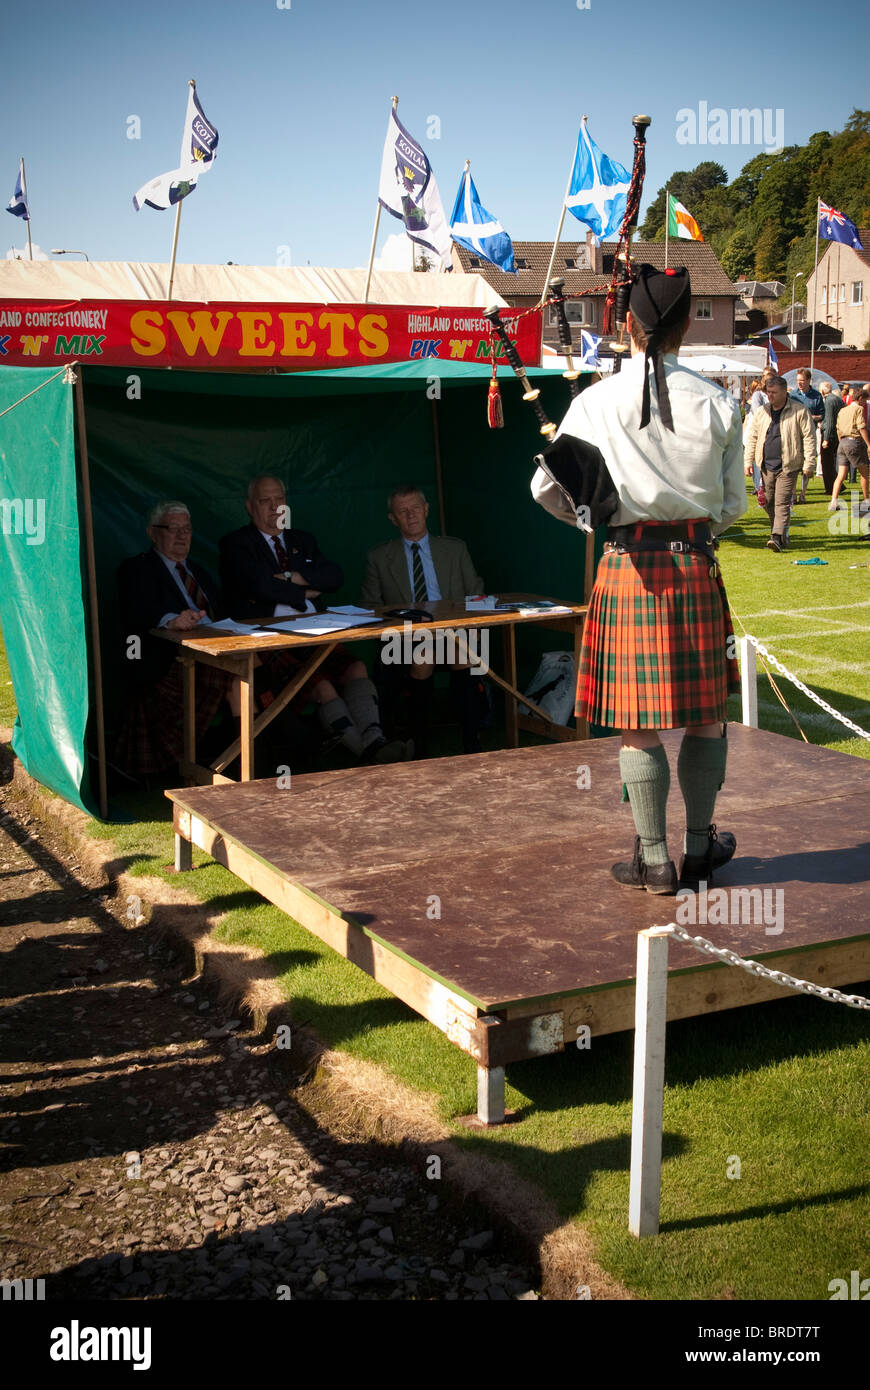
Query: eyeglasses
(174,530)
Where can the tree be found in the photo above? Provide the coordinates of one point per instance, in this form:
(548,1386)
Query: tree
(770,252)
(738,257)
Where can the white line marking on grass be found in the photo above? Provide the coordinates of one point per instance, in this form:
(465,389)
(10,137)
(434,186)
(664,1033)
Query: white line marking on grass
(791,613)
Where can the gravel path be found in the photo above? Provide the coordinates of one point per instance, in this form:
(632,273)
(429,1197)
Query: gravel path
(151,1149)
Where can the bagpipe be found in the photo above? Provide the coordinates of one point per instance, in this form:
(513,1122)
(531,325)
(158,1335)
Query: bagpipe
(615,304)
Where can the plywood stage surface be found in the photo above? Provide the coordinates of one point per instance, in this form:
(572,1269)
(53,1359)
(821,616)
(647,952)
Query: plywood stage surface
(513,850)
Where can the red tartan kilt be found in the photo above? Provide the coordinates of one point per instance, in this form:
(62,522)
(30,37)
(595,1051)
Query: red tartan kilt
(657,643)
(151,737)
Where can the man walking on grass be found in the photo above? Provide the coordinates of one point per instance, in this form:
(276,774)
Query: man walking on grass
(781,440)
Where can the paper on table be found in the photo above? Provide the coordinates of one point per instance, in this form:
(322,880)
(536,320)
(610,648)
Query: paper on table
(317,627)
(229,625)
(543,612)
(480,603)
(350,610)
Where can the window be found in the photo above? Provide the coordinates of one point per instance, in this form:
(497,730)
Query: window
(475,261)
(824,294)
(577,311)
(703,309)
(521,263)
(842,294)
(857,291)
(570,263)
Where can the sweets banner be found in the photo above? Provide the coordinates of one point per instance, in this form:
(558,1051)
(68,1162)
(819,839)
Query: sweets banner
(289,337)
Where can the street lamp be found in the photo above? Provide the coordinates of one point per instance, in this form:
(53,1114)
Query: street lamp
(57,252)
(799,276)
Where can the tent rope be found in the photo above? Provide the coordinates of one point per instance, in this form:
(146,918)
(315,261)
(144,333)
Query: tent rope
(65,368)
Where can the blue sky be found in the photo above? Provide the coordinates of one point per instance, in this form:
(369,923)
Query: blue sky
(301,95)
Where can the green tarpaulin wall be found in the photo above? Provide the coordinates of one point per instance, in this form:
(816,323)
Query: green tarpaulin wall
(41,584)
(340,440)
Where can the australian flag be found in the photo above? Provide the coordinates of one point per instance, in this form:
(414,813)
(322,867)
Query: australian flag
(17,204)
(837,227)
(477,230)
(599,188)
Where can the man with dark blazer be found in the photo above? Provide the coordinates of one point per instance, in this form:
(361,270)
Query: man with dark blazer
(163,587)
(270,569)
(409,571)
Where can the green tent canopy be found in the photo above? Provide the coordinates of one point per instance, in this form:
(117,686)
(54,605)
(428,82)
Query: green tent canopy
(340,440)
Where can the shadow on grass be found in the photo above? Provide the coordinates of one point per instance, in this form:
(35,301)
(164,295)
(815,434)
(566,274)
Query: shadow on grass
(730,1218)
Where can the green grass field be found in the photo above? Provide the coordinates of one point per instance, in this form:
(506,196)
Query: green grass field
(781,1088)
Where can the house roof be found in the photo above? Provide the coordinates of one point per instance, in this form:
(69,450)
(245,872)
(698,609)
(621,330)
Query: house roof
(863,237)
(708,277)
(755,289)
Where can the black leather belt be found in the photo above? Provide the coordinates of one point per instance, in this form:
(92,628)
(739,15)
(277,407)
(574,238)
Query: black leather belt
(678,539)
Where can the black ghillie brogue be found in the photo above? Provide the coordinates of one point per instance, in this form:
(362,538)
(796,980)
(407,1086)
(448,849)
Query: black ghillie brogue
(655,878)
(697,867)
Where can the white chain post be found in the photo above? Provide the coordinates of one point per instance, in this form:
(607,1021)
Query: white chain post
(649,1056)
(811,695)
(749,682)
(650,1014)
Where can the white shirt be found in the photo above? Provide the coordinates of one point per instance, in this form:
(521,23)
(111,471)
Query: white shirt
(432,590)
(285,610)
(660,476)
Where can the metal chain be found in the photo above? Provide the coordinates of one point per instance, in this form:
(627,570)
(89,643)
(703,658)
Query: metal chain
(754,967)
(762,651)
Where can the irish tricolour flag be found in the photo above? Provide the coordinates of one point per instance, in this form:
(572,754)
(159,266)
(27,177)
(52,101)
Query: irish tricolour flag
(681,222)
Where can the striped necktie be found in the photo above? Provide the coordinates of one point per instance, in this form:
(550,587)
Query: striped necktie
(420,591)
(197,597)
(280,553)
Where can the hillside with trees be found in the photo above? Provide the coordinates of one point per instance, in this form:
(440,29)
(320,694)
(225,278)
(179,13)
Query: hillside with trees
(762,225)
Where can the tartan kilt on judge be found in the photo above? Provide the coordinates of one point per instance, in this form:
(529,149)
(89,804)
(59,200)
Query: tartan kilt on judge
(151,737)
(656,652)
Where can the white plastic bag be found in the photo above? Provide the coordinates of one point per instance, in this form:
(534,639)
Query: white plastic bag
(554,687)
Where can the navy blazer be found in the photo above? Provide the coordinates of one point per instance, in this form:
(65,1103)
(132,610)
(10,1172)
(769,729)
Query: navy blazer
(249,566)
(146,590)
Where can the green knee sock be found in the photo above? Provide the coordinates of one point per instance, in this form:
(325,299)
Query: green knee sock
(701,770)
(647,778)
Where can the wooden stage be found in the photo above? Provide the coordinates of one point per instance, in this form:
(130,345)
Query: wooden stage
(534,938)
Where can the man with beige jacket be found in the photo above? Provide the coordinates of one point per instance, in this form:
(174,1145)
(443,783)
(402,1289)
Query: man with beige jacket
(781,440)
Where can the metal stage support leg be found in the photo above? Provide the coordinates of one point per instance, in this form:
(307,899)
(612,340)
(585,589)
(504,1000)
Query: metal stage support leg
(183,854)
(490,1095)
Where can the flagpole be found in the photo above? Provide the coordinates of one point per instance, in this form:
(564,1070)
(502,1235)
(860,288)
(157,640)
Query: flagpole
(395,101)
(27,201)
(667,222)
(815,289)
(543,298)
(192,84)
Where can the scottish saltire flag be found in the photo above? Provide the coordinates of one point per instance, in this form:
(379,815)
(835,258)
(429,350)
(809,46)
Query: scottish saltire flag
(837,227)
(17,204)
(771,356)
(198,148)
(477,230)
(589,349)
(408,190)
(598,189)
(681,223)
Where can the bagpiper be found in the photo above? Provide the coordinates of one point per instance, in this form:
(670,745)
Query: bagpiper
(658,646)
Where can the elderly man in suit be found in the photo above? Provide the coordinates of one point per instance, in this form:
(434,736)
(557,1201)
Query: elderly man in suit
(270,569)
(410,570)
(163,587)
